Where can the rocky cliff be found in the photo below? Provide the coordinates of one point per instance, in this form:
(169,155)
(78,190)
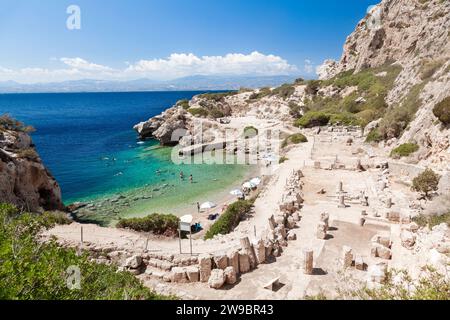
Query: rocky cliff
(394,70)
(24,180)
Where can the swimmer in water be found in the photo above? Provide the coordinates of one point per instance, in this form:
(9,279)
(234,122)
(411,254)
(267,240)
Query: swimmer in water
(158,172)
(181,175)
(191,178)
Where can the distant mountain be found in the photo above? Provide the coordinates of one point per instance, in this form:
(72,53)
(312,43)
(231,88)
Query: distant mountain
(187,83)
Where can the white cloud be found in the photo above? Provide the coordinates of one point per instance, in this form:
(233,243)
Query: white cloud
(182,64)
(81,64)
(174,66)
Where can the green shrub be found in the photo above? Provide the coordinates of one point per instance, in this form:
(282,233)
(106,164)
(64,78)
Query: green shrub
(284,91)
(283,159)
(56,217)
(313,119)
(442,111)
(429,68)
(216,113)
(8,123)
(156,223)
(295,110)
(30,270)
(28,153)
(345,118)
(433,220)
(217,96)
(432,285)
(250,132)
(312,87)
(374,136)
(294,139)
(426,182)
(230,218)
(263,92)
(198,112)
(183,103)
(404,150)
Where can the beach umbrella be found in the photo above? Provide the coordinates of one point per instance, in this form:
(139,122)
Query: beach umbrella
(248,185)
(236,192)
(256,181)
(208,205)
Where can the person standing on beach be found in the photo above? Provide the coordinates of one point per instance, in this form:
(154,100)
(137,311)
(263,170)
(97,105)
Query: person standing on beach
(191,178)
(198,207)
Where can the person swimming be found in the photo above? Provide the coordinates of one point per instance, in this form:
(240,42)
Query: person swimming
(191,178)
(181,175)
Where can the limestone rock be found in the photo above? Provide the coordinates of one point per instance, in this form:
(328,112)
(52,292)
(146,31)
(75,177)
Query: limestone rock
(291,235)
(230,275)
(193,274)
(217,279)
(133,262)
(221,261)
(233,259)
(179,275)
(408,239)
(244,262)
(24,180)
(205,266)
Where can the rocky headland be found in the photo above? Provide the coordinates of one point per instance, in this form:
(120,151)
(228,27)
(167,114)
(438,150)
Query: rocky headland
(24,180)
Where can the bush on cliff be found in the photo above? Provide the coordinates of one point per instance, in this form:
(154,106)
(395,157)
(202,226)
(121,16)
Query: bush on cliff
(30,270)
(313,119)
(198,112)
(404,150)
(160,224)
(8,123)
(442,111)
(426,182)
(230,218)
(183,103)
(294,139)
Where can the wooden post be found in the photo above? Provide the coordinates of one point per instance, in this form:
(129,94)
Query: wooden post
(190,240)
(179,235)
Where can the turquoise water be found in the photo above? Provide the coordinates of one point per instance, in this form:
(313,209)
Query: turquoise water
(87,142)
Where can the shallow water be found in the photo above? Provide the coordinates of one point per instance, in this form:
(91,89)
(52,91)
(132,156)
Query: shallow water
(87,142)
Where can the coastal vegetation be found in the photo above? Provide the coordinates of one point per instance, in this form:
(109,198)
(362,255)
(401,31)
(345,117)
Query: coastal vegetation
(198,112)
(217,96)
(183,103)
(432,220)
(426,182)
(294,139)
(442,111)
(284,91)
(8,123)
(261,93)
(230,218)
(362,104)
(158,224)
(404,150)
(31,270)
(374,136)
(250,132)
(399,285)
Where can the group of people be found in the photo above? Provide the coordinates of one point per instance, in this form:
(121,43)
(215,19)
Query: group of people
(191,178)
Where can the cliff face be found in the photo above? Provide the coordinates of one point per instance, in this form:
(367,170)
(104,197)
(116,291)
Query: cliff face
(403,31)
(24,180)
(414,34)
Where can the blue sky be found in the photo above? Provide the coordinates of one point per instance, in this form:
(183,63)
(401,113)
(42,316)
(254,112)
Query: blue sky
(136,38)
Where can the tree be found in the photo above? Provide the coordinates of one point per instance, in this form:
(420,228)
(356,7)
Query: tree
(426,182)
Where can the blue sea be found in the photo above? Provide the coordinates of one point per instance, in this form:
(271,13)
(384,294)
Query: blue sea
(88,143)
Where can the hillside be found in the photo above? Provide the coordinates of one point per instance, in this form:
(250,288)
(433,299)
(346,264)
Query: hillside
(393,72)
